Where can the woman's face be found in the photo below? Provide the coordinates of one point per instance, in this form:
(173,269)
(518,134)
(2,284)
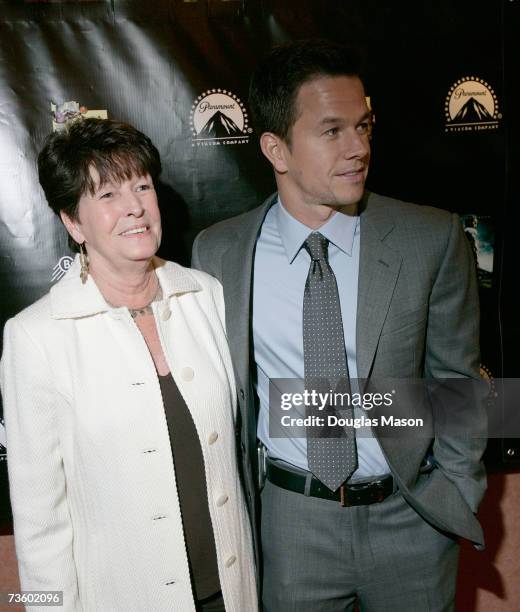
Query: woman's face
(119,223)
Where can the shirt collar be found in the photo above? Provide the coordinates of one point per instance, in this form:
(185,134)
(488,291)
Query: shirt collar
(340,229)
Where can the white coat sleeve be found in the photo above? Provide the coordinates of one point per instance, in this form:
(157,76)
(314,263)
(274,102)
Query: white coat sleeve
(38,488)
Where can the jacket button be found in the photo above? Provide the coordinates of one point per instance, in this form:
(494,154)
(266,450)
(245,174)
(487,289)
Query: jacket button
(187,373)
(230,561)
(222,500)
(242,394)
(213,437)
(167,313)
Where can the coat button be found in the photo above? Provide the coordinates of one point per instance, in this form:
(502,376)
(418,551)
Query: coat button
(167,313)
(213,437)
(187,373)
(242,394)
(222,500)
(230,561)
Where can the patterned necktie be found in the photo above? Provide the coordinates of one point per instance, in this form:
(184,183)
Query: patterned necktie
(331,451)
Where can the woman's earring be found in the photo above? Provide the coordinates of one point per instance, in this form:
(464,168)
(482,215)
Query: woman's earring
(83,260)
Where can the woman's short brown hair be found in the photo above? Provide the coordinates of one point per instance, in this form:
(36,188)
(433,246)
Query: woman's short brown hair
(116,150)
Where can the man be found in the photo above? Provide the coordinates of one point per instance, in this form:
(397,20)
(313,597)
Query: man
(327,280)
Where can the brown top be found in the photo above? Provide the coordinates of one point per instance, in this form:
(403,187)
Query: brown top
(191,486)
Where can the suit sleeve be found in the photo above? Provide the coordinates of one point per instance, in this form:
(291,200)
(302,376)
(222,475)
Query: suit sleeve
(42,523)
(196,253)
(452,352)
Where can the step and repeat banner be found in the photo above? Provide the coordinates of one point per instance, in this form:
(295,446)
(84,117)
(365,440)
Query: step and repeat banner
(178,70)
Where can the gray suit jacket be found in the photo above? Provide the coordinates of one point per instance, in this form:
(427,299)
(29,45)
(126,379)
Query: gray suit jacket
(417,316)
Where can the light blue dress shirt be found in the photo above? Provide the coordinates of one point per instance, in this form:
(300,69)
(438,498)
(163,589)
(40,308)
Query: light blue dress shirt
(280,271)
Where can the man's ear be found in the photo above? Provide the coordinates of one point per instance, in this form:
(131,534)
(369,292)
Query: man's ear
(73,227)
(276,151)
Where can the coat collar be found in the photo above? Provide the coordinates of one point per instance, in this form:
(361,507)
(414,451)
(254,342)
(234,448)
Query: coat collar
(375,213)
(71,299)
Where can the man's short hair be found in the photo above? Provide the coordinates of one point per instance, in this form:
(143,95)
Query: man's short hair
(277,80)
(116,150)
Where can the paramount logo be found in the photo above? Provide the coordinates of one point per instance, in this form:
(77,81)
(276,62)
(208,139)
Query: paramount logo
(218,117)
(471,105)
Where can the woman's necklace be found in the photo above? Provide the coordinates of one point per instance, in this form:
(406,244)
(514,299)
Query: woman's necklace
(147,309)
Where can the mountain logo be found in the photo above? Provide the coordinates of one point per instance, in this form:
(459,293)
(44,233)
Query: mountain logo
(218,117)
(471,104)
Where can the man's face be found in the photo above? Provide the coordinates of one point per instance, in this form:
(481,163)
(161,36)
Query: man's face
(326,161)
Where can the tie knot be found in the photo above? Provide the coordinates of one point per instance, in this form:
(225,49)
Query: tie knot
(317,246)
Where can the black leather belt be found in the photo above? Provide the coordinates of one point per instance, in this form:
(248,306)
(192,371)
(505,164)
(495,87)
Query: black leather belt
(352,494)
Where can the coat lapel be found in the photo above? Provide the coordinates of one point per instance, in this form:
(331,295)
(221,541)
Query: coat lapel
(237,274)
(379,268)
(378,271)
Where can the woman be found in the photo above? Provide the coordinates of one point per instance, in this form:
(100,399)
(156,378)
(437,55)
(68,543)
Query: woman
(119,403)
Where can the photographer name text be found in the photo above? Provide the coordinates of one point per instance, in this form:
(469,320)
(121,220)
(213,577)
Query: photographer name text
(332,420)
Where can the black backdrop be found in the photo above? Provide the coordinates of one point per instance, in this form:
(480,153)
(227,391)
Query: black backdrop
(161,65)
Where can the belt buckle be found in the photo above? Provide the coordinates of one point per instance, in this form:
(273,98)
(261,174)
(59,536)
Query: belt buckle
(376,489)
(352,487)
(379,491)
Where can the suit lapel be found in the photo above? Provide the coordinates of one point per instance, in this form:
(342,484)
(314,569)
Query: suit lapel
(237,274)
(378,271)
(379,268)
